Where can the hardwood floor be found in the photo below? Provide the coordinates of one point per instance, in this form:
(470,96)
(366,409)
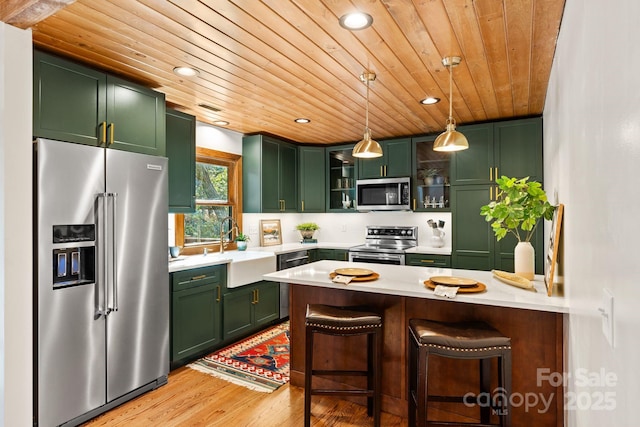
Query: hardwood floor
(192,398)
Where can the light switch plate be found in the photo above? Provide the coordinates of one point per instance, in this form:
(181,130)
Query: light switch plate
(606,311)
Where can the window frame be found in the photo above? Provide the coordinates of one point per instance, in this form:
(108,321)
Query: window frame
(234,164)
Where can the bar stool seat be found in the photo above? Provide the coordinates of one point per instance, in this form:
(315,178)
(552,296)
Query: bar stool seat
(345,321)
(464,340)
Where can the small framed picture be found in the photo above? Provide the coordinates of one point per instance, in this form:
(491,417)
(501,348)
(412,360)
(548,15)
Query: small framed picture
(552,249)
(270,232)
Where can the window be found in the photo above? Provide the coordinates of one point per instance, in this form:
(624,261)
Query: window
(217,197)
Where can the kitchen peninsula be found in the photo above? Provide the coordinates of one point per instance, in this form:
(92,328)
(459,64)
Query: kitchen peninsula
(533,320)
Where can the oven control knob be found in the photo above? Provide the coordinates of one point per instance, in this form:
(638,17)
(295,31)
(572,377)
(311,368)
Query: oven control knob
(403,232)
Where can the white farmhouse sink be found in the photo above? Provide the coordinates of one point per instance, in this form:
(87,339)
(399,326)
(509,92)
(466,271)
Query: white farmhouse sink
(243,267)
(246,266)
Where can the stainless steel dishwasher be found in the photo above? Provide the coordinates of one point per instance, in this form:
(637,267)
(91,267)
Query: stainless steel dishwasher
(288,260)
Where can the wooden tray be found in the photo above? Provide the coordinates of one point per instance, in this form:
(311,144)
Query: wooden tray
(372,276)
(479,287)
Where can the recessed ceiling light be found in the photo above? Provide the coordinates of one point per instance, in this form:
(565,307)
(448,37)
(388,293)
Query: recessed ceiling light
(356,21)
(221,122)
(302,120)
(186,71)
(429,100)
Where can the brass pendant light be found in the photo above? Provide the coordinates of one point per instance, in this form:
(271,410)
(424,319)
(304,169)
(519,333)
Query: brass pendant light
(367,148)
(450,139)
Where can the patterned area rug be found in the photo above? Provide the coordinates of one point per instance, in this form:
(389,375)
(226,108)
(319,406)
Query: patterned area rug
(260,362)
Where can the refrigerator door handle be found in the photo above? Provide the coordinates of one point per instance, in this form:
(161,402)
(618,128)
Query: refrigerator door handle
(102,219)
(114,247)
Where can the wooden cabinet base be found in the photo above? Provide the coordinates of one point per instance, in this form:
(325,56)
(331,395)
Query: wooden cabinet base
(537,344)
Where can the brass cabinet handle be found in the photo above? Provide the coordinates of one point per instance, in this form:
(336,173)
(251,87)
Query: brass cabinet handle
(257,296)
(199,277)
(103,125)
(491,193)
(428,261)
(218,298)
(302,206)
(496,173)
(414,203)
(112,127)
(490,174)
(381,171)
(385,170)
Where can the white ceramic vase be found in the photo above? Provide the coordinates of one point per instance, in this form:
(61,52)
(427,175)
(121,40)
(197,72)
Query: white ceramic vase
(524,260)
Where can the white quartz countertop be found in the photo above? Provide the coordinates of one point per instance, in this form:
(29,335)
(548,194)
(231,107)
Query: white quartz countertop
(429,250)
(409,281)
(186,262)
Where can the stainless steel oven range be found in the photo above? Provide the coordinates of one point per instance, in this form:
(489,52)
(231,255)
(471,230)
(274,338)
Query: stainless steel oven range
(385,244)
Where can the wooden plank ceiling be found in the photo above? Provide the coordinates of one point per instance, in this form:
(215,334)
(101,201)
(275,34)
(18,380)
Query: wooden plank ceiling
(264,63)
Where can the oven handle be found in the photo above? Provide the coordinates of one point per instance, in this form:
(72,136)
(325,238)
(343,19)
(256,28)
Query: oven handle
(365,255)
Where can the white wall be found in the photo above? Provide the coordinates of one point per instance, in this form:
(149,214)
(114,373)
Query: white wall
(15,227)
(592,160)
(216,138)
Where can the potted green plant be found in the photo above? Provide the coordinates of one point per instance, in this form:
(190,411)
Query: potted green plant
(307,229)
(241,241)
(517,210)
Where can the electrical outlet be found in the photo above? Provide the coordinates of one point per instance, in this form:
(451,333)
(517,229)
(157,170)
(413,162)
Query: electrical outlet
(253,229)
(606,311)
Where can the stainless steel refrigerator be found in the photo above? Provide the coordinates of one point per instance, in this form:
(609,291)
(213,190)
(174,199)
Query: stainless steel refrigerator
(101,292)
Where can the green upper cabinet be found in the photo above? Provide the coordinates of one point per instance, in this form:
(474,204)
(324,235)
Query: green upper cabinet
(518,148)
(512,148)
(475,164)
(135,117)
(341,178)
(395,160)
(311,179)
(269,175)
(181,151)
(78,104)
(431,176)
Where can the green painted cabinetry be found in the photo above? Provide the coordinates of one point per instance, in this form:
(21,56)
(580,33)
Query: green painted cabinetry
(311,179)
(196,310)
(78,104)
(395,160)
(181,151)
(249,307)
(512,148)
(269,175)
(330,254)
(431,176)
(428,260)
(341,178)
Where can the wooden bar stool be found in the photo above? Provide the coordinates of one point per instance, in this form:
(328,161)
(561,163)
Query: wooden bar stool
(465,340)
(344,322)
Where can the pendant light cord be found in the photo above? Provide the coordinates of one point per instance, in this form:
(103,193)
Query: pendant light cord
(366,119)
(450,92)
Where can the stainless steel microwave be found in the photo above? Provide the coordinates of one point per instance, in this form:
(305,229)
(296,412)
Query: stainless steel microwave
(383,194)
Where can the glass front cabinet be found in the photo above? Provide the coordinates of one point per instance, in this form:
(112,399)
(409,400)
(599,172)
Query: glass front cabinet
(341,179)
(431,184)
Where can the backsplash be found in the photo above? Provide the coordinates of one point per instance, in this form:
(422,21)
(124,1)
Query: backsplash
(347,228)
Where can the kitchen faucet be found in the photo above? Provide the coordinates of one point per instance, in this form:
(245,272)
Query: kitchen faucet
(223,234)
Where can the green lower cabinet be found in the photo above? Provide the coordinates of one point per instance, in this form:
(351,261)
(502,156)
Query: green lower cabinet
(196,311)
(474,243)
(428,260)
(249,307)
(331,254)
